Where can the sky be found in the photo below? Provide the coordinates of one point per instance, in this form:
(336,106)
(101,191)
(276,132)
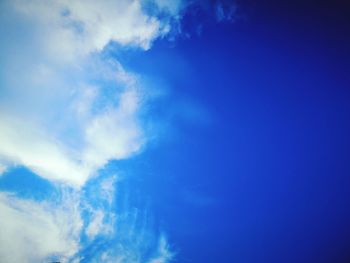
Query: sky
(153,131)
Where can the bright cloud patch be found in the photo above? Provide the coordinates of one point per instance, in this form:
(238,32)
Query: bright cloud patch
(72,139)
(66,110)
(32,231)
(77,28)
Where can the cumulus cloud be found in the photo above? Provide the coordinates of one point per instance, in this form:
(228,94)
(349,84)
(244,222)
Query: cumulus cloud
(32,231)
(65,109)
(76,28)
(111,133)
(26,145)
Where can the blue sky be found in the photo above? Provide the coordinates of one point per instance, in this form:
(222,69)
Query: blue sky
(174,131)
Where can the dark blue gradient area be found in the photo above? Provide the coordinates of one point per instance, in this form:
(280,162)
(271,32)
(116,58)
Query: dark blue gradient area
(267,177)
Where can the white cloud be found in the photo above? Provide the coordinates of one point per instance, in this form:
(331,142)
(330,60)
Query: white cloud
(112,133)
(51,230)
(67,111)
(127,232)
(31,231)
(76,28)
(3,168)
(96,225)
(29,146)
(163,254)
(107,189)
(102,217)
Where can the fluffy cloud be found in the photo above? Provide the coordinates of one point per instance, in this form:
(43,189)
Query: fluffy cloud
(31,231)
(65,109)
(112,132)
(76,28)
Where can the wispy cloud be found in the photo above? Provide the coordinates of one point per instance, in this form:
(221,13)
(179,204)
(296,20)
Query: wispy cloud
(163,253)
(66,110)
(79,226)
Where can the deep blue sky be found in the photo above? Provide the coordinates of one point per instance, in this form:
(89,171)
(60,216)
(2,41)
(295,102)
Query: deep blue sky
(264,175)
